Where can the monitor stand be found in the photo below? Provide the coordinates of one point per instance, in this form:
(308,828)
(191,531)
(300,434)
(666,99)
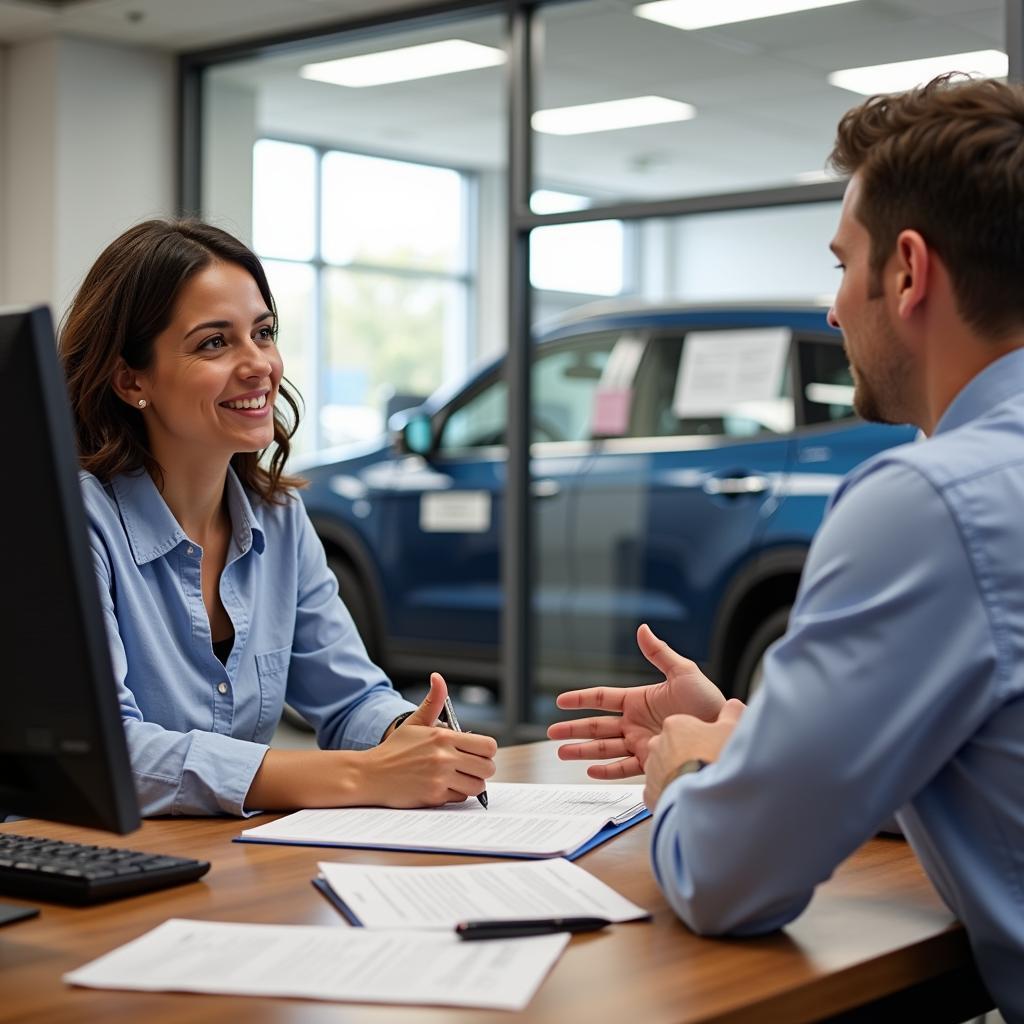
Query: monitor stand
(11,912)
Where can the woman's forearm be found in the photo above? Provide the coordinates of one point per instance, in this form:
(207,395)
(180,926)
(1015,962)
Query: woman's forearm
(416,766)
(292,779)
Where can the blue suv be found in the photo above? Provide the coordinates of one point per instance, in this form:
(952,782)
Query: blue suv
(681,462)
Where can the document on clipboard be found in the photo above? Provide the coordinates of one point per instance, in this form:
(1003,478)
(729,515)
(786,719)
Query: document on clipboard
(523,820)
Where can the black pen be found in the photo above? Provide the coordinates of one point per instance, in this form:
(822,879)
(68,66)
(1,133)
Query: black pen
(453,723)
(515,929)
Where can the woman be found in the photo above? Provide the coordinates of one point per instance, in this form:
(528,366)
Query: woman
(217,596)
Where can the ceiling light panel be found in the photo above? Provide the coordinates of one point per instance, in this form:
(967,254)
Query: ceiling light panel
(611,115)
(695,14)
(427,60)
(906,74)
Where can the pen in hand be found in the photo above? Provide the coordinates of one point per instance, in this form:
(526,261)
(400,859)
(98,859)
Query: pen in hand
(518,928)
(453,724)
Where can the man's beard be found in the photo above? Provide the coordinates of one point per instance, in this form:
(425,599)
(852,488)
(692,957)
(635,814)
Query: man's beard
(880,396)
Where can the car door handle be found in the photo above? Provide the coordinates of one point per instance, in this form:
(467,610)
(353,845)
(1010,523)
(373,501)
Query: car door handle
(735,485)
(545,488)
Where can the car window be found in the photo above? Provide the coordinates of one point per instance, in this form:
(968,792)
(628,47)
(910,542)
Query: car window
(564,382)
(479,421)
(826,381)
(727,383)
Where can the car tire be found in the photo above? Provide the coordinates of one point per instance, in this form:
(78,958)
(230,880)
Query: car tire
(357,601)
(748,669)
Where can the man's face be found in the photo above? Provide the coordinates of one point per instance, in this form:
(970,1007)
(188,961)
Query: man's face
(879,361)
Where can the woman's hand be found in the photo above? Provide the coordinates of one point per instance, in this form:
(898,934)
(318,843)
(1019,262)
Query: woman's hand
(642,710)
(419,765)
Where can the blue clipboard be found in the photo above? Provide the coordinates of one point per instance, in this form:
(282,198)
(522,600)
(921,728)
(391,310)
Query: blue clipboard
(609,831)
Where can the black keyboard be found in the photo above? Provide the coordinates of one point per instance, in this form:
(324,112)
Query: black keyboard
(45,869)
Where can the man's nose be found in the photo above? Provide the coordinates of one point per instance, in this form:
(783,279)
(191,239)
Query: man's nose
(833,320)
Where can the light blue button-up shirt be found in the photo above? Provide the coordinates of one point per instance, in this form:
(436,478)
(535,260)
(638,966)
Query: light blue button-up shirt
(899,687)
(198,730)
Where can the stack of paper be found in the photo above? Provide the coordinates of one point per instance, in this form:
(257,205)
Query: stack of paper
(524,820)
(379,896)
(347,964)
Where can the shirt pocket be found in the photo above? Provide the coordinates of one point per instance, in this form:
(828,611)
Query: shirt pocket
(272,671)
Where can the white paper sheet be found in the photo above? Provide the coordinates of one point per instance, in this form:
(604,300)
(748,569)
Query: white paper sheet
(523,819)
(722,370)
(345,964)
(381,896)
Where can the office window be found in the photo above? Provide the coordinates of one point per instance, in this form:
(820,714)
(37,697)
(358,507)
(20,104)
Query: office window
(574,263)
(369,261)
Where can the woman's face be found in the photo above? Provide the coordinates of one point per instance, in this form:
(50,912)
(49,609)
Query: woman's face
(211,386)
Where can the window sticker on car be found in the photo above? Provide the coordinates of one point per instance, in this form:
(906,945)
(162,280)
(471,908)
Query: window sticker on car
(723,371)
(613,399)
(455,512)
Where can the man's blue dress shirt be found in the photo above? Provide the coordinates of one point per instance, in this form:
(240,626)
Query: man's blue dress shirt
(198,730)
(898,688)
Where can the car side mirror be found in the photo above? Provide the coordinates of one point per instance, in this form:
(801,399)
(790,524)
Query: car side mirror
(412,432)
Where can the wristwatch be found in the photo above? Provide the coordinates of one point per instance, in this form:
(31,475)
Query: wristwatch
(396,723)
(695,764)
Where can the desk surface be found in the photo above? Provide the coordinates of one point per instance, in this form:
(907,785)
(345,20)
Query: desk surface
(876,928)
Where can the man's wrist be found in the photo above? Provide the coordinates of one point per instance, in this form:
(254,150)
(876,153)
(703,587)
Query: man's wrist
(690,767)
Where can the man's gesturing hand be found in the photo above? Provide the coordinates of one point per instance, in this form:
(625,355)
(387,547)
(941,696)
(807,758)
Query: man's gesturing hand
(642,710)
(685,738)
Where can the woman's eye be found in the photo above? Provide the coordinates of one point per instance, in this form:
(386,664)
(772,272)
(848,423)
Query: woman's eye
(212,344)
(266,334)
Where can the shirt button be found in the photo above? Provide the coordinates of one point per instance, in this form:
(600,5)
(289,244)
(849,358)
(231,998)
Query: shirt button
(222,687)
(190,550)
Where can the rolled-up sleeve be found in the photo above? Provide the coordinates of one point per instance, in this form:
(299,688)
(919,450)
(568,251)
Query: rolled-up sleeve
(885,671)
(331,680)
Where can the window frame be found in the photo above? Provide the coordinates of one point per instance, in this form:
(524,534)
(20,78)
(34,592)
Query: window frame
(467,278)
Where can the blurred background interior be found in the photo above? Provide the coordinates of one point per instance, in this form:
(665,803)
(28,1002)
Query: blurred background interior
(363,148)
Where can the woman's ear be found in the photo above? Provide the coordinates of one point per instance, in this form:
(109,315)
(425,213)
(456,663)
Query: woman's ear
(128,386)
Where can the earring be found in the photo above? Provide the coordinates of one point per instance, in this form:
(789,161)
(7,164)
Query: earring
(142,403)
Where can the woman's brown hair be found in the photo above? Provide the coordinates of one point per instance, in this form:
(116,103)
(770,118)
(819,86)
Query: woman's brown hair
(125,301)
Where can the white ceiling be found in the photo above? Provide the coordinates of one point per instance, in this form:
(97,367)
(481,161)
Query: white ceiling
(177,25)
(765,110)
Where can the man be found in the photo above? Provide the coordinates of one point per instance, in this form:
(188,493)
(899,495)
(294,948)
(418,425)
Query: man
(899,686)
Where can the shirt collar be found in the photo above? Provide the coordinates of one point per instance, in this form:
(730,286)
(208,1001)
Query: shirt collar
(152,529)
(999,381)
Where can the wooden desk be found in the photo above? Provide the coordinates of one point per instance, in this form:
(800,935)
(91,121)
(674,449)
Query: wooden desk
(876,930)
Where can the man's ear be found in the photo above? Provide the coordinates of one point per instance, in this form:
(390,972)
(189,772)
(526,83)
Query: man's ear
(127,385)
(913,270)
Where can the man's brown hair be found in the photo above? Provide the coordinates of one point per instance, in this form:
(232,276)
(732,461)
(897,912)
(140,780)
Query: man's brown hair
(125,301)
(947,160)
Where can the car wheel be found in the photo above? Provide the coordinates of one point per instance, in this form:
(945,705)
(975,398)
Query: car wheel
(357,601)
(749,668)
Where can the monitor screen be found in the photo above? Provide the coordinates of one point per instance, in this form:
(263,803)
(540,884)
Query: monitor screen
(63,754)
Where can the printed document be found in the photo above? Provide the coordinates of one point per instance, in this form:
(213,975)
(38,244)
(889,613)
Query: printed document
(524,820)
(345,964)
(379,896)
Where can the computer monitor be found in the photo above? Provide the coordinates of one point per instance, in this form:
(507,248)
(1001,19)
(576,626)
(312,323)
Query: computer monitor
(63,754)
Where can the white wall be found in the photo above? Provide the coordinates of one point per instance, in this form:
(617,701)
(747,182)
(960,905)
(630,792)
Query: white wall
(491,336)
(27,233)
(778,253)
(90,150)
(229,133)
(3,167)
